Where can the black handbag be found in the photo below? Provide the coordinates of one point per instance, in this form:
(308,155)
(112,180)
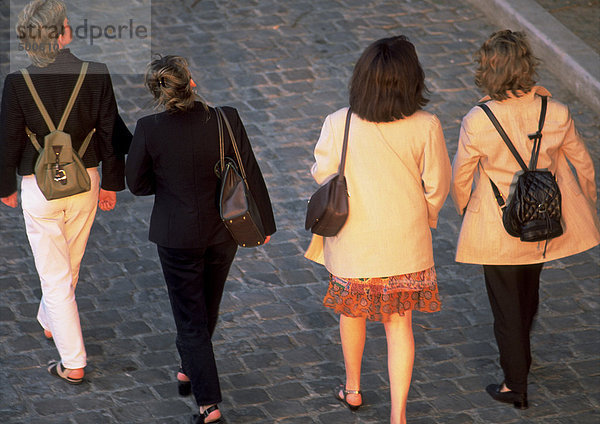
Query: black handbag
(327,208)
(533,212)
(236,205)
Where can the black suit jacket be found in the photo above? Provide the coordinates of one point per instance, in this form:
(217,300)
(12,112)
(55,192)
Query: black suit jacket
(173,156)
(95,107)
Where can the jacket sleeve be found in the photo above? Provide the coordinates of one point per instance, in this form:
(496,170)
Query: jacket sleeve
(575,151)
(435,172)
(121,139)
(12,137)
(463,169)
(139,169)
(113,165)
(256,182)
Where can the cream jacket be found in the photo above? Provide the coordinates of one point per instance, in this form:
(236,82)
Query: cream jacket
(398,176)
(482,155)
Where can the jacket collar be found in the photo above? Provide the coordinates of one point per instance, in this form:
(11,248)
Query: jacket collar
(530,96)
(64,57)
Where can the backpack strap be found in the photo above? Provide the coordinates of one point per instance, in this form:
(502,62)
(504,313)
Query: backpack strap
(38,101)
(498,195)
(67,112)
(33,139)
(42,108)
(503,134)
(86,143)
(537,136)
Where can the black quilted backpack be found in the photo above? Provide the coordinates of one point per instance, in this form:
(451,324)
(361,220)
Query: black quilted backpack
(533,212)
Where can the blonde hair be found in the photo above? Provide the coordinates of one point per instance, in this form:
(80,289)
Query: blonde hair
(168,79)
(506,64)
(40,24)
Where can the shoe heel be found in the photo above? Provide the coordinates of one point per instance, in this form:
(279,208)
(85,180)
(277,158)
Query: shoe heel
(184,388)
(521,404)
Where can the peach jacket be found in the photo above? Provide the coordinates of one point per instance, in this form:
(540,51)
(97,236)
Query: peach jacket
(482,155)
(398,176)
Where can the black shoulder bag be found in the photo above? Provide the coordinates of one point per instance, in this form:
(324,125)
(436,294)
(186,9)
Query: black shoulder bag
(236,205)
(533,212)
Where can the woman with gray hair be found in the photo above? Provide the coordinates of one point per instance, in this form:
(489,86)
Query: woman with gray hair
(58,229)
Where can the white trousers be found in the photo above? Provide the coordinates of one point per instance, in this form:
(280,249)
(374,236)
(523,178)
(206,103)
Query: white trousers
(58,232)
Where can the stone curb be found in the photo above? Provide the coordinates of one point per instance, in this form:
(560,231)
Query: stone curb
(565,54)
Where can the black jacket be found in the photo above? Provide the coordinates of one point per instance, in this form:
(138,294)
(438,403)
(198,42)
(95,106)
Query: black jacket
(95,107)
(173,156)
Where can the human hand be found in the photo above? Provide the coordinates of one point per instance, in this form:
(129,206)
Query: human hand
(107,200)
(10,200)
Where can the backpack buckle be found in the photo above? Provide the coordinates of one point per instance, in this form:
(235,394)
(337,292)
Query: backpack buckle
(59,174)
(535,136)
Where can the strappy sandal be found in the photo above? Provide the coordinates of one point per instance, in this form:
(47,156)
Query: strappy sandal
(342,388)
(184,387)
(57,370)
(200,419)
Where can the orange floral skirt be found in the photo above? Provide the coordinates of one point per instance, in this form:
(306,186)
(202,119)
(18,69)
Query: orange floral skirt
(376,299)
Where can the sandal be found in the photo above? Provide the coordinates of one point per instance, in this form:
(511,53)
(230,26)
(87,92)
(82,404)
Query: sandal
(201,419)
(342,388)
(184,387)
(56,369)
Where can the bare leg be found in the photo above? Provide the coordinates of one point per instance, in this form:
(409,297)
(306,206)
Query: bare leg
(353,333)
(401,355)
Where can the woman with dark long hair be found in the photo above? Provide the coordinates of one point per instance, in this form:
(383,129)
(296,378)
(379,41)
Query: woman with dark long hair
(397,170)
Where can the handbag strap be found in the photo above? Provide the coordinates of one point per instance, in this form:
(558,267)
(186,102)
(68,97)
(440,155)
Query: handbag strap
(221,143)
(233,142)
(345,143)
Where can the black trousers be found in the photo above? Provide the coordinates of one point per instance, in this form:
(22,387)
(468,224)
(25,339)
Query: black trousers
(195,280)
(513,291)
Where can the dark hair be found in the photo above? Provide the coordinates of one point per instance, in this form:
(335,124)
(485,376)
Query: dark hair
(506,64)
(168,79)
(388,82)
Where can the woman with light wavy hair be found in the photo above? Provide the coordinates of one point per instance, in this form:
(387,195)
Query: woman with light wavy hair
(58,229)
(511,267)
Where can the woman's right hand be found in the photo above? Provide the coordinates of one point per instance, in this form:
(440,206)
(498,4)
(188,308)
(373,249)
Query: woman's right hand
(10,200)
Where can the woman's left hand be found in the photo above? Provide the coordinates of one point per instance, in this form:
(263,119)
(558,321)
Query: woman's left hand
(107,200)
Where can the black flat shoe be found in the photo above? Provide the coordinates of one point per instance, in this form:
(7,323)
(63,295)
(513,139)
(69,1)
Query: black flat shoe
(200,419)
(184,387)
(342,388)
(519,400)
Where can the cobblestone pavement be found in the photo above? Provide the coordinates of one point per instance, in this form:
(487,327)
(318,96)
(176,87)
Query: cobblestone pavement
(285,65)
